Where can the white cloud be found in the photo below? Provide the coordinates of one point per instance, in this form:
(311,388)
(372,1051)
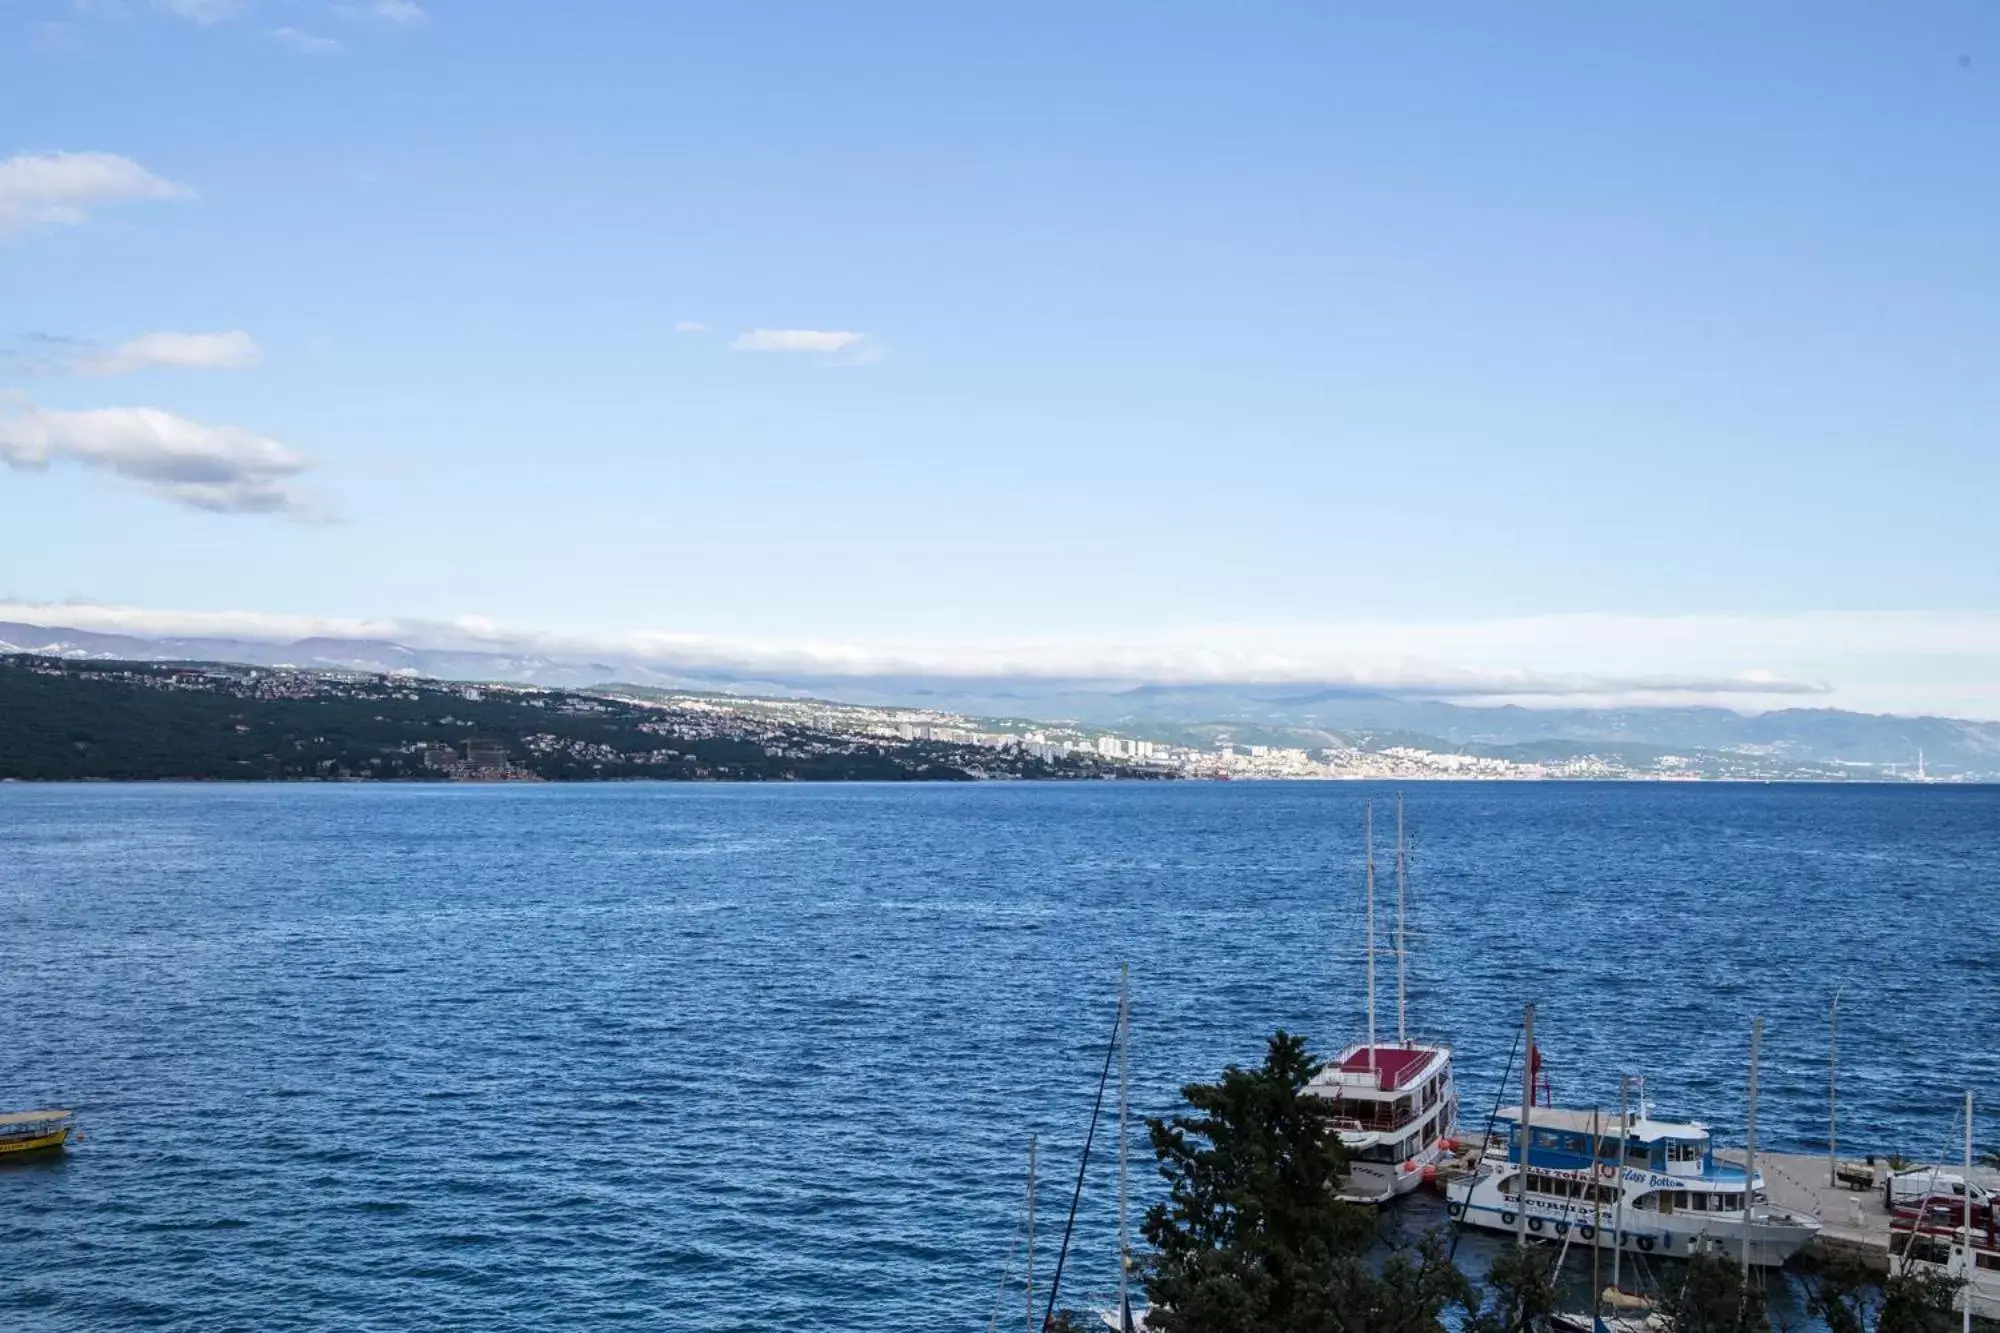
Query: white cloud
(222,469)
(798,340)
(306,43)
(50,189)
(385,11)
(201,11)
(690,326)
(194,351)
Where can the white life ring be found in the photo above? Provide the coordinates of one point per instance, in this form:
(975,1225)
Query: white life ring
(1606,1171)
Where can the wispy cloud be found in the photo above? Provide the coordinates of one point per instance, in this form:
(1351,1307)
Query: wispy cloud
(62,189)
(39,354)
(220,469)
(306,43)
(840,347)
(382,11)
(797,340)
(191,351)
(690,326)
(201,11)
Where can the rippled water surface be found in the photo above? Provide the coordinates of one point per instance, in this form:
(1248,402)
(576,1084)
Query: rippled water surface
(769,1057)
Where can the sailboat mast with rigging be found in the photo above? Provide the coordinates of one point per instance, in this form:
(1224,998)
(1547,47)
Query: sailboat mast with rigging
(1395,1105)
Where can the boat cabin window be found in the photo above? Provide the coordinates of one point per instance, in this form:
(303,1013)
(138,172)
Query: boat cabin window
(1570,1187)
(1401,1150)
(1359,1113)
(1680,1151)
(1987,1260)
(1638,1154)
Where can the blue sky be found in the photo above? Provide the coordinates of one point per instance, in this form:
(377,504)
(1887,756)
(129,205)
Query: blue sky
(1176,324)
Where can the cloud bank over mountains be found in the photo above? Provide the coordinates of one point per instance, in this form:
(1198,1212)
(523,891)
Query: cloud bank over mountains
(1872,661)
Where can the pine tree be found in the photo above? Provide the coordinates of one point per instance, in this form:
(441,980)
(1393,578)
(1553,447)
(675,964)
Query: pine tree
(1251,1238)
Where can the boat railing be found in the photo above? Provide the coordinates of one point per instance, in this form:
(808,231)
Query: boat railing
(1355,1124)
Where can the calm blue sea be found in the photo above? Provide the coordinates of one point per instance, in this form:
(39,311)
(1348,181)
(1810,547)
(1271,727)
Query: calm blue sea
(701,1057)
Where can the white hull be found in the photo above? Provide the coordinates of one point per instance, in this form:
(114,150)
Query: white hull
(1775,1236)
(1372,1183)
(1611,1323)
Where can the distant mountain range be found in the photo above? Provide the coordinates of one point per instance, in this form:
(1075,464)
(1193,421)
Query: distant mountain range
(1249,713)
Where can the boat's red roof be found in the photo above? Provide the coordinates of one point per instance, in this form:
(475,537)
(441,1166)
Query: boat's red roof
(1395,1064)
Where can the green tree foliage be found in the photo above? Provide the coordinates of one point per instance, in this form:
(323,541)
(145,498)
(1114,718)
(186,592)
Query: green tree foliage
(1843,1296)
(1520,1292)
(1712,1298)
(1251,1239)
(1247,1238)
(1919,1302)
(1850,1299)
(1408,1294)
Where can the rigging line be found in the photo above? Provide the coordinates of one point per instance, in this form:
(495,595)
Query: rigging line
(1458,1229)
(1930,1188)
(1096,1110)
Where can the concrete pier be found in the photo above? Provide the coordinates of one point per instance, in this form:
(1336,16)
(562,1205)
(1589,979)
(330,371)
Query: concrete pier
(1854,1220)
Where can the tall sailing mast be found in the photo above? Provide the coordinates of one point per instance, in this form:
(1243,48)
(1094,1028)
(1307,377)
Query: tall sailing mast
(1597,1212)
(1029,1284)
(1618,1202)
(1750,1148)
(1402,890)
(1965,1212)
(1368,853)
(1124,1107)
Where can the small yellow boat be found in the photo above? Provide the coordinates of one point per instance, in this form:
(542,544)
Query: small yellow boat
(23,1132)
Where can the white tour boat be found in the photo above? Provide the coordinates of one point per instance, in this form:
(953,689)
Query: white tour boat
(1657,1182)
(1394,1105)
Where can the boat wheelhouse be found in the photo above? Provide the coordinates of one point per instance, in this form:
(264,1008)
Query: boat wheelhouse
(1394,1105)
(1656,1189)
(25,1132)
